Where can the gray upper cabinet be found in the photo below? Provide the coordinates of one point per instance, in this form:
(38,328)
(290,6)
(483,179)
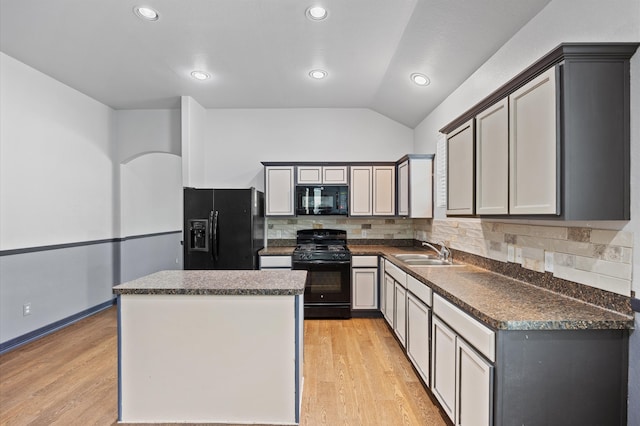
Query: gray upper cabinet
(569,139)
(460,170)
(492,160)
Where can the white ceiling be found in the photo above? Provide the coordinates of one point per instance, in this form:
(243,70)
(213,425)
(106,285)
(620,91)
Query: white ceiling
(259,52)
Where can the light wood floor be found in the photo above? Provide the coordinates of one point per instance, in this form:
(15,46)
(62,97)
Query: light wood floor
(355,374)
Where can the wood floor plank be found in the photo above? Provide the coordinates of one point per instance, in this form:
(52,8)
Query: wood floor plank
(355,373)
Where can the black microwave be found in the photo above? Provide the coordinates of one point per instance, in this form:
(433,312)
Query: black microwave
(322,200)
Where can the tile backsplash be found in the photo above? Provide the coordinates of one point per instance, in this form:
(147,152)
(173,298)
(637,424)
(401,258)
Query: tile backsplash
(366,228)
(598,258)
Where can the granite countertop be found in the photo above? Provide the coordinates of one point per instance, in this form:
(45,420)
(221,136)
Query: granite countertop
(277,251)
(501,302)
(276,282)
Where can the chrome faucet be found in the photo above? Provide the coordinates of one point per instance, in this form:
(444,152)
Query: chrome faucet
(443,253)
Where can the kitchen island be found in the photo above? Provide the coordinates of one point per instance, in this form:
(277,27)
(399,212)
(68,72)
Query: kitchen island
(211,347)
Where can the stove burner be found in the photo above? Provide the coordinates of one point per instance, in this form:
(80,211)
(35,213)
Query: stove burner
(322,245)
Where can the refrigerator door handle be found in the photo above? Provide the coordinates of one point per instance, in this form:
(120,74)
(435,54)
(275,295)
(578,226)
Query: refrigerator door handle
(214,235)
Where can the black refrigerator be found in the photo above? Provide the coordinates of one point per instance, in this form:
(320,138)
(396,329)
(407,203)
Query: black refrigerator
(223,228)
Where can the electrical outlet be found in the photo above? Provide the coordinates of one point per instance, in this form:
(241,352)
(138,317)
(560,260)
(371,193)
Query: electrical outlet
(364,233)
(26,309)
(511,253)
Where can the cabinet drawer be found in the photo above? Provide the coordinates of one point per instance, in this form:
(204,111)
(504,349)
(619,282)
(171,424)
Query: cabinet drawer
(478,335)
(397,273)
(419,289)
(364,262)
(275,262)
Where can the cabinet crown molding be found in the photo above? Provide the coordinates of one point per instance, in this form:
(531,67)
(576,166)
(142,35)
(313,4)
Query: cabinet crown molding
(564,52)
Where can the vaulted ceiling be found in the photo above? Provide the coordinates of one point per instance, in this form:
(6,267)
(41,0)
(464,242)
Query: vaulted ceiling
(259,52)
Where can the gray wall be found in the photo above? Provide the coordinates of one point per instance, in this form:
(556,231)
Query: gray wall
(58,283)
(146,255)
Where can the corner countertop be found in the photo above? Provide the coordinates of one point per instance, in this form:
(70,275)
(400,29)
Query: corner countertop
(261,283)
(498,301)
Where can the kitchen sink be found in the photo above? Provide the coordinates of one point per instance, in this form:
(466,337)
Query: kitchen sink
(428,262)
(410,257)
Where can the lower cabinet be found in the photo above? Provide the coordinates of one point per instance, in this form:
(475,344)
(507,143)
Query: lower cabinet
(418,326)
(481,376)
(389,304)
(364,282)
(462,379)
(400,321)
(443,380)
(395,299)
(475,387)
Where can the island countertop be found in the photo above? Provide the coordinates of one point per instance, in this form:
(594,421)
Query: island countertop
(214,282)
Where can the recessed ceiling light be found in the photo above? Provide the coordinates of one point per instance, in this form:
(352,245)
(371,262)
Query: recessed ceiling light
(318,74)
(200,75)
(146,13)
(420,79)
(316,13)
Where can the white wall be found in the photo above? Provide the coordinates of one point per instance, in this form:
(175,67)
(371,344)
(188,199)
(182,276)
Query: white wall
(151,194)
(57,186)
(144,131)
(561,21)
(150,197)
(149,153)
(237,140)
(193,119)
(56,169)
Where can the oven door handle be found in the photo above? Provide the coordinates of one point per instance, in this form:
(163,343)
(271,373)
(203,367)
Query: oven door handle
(322,262)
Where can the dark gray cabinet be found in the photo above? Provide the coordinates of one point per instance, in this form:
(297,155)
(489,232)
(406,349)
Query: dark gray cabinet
(561,377)
(592,134)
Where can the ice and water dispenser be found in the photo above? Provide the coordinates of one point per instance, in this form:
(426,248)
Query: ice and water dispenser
(198,235)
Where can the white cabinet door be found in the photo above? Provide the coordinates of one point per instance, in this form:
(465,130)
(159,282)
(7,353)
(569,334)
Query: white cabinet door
(309,174)
(415,186)
(279,190)
(418,327)
(492,160)
(335,175)
(443,367)
(533,147)
(475,380)
(421,188)
(400,320)
(460,170)
(384,190)
(389,304)
(361,191)
(403,188)
(365,288)
(383,298)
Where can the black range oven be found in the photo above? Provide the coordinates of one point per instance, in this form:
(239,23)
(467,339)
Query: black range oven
(324,254)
